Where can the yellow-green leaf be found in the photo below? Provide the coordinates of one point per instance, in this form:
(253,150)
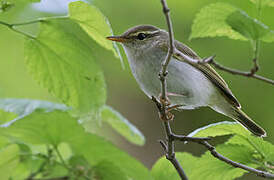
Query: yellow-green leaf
(61,60)
(211,22)
(94,23)
(122,125)
(264,2)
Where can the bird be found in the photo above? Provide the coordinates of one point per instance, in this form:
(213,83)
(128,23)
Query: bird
(189,84)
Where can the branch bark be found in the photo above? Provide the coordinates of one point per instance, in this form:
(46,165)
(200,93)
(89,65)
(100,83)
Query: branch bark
(166,116)
(250,74)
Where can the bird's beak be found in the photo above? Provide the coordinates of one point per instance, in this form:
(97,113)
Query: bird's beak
(116,38)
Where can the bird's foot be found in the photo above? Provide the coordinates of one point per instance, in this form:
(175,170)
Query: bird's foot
(170,108)
(164,100)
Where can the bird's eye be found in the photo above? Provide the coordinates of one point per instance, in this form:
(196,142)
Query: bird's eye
(141,36)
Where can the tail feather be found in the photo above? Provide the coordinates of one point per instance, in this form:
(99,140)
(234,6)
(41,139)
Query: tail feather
(237,114)
(246,121)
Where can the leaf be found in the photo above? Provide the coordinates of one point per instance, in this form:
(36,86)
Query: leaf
(220,129)
(41,127)
(263,150)
(269,37)
(61,60)
(6,116)
(122,125)
(222,19)
(106,170)
(266,149)
(245,25)
(5,5)
(4,141)
(163,169)
(206,167)
(264,2)
(211,22)
(94,23)
(57,126)
(24,107)
(8,161)
(211,168)
(23,169)
(97,150)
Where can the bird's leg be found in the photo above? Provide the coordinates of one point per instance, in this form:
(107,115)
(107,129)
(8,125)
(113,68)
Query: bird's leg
(170,108)
(164,113)
(165,101)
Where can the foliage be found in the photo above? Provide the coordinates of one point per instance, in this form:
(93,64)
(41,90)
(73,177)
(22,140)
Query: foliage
(242,147)
(223,19)
(49,125)
(41,139)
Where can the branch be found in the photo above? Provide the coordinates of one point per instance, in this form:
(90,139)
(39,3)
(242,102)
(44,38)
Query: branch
(250,74)
(235,164)
(166,116)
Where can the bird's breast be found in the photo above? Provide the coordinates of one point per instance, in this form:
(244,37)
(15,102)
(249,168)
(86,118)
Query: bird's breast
(185,84)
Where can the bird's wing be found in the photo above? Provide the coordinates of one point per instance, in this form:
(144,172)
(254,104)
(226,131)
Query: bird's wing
(208,71)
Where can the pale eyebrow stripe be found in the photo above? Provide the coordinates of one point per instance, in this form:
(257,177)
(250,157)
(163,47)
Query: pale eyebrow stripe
(145,32)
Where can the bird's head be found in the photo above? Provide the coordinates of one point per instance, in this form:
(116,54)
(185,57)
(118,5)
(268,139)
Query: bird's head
(141,37)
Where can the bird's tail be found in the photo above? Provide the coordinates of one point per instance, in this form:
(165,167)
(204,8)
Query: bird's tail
(247,122)
(238,115)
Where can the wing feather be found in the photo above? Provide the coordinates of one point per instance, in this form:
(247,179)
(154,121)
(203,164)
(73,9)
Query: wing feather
(208,71)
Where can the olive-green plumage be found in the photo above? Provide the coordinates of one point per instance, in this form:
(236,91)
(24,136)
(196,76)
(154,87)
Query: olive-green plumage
(189,84)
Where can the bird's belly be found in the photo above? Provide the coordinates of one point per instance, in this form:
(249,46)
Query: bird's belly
(186,85)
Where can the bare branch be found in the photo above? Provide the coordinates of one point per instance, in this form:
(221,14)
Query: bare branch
(235,164)
(166,116)
(250,74)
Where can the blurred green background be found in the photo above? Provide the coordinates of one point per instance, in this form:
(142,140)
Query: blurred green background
(256,97)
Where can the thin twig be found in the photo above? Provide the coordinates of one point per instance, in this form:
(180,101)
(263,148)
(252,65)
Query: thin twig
(165,115)
(235,164)
(61,158)
(237,72)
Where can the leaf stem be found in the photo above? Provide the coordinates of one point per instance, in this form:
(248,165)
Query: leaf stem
(12,27)
(61,157)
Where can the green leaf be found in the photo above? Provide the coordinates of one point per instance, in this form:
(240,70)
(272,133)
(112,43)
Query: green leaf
(245,25)
(206,167)
(220,129)
(24,107)
(269,37)
(5,5)
(211,168)
(94,23)
(4,141)
(266,149)
(163,169)
(57,126)
(6,116)
(42,127)
(263,150)
(61,60)
(264,2)
(8,161)
(106,170)
(211,22)
(95,150)
(222,19)
(23,169)
(122,125)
